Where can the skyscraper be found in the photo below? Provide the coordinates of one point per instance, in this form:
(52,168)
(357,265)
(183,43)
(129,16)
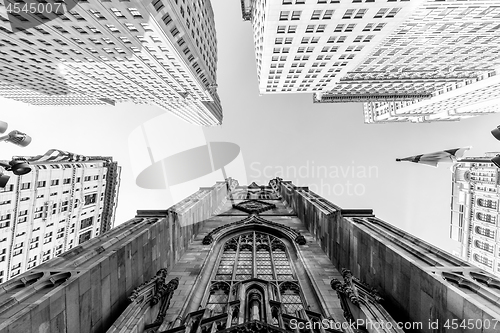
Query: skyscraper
(455,101)
(475,212)
(104,52)
(64,201)
(364,51)
(273,258)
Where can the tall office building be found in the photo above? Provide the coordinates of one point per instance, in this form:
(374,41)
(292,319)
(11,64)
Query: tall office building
(360,51)
(273,259)
(104,52)
(453,102)
(475,223)
(64,201)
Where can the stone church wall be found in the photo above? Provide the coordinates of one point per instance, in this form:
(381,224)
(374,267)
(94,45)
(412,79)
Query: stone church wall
(405,270)
(95,278)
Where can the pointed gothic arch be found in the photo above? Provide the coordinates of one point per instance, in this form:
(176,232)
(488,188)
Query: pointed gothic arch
(253,276)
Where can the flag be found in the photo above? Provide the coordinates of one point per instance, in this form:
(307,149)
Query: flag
(433,159)
(56,155)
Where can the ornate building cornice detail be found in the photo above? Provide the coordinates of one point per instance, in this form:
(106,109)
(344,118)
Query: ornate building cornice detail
(355,293)
(250,222)
(163,288)
(352,287)
(254,206)
(146,287)
(155,292)
(165,293)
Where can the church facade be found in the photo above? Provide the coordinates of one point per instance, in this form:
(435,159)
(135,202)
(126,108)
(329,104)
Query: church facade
(257,258)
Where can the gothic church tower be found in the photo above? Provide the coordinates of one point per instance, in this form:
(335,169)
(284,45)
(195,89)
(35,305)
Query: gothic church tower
(230,258)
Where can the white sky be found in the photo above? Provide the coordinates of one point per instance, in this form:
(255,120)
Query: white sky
(285,134)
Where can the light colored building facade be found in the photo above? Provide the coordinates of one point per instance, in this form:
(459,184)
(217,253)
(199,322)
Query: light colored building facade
(64,201)
(105,52)
(360,51)
(455,101)
(475,223)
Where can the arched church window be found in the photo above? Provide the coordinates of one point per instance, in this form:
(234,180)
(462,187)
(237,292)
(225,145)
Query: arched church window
(485,232)
(218,297)
(254,269)
(290,297)
(483,260)
(483,246)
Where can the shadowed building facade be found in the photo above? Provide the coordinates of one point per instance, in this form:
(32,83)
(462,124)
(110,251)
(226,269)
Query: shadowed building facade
(93,52)
(231,258)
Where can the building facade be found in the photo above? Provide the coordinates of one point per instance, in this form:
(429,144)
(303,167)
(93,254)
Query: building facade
(453,102)
(64,201)
(105,52)
(475,222)
(257,258)
(365,51)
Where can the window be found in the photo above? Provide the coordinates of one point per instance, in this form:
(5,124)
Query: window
(483,260)
(321,28)
(79,29)
(84,237)
(248,256)
(112,28)
(134,12)
(76,15)
(316,15)
(486,218)
(41,183)
(284,15)
(117,12)
(328,14)
(381,12)
(484,246)
(97,14)
(487,203)
(25,186)
(485,232)
(296,14)
(85,223)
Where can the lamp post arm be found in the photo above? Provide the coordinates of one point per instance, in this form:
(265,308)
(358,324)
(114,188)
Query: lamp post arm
(5,165)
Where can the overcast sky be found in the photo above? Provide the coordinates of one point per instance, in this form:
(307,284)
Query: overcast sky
(325,146)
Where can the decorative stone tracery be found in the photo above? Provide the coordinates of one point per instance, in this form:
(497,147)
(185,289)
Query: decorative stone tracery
(252,222)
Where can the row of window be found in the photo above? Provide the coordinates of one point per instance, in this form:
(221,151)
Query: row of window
(295,15)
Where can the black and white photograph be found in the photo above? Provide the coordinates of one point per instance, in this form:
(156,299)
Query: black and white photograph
(269,166)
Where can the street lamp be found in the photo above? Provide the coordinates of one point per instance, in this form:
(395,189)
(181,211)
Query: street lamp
(496,132)
(18,138)
(18,166)
(496,160)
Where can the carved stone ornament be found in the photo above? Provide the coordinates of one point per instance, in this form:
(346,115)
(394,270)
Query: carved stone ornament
(254,206)
(353,287)
(254,220)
